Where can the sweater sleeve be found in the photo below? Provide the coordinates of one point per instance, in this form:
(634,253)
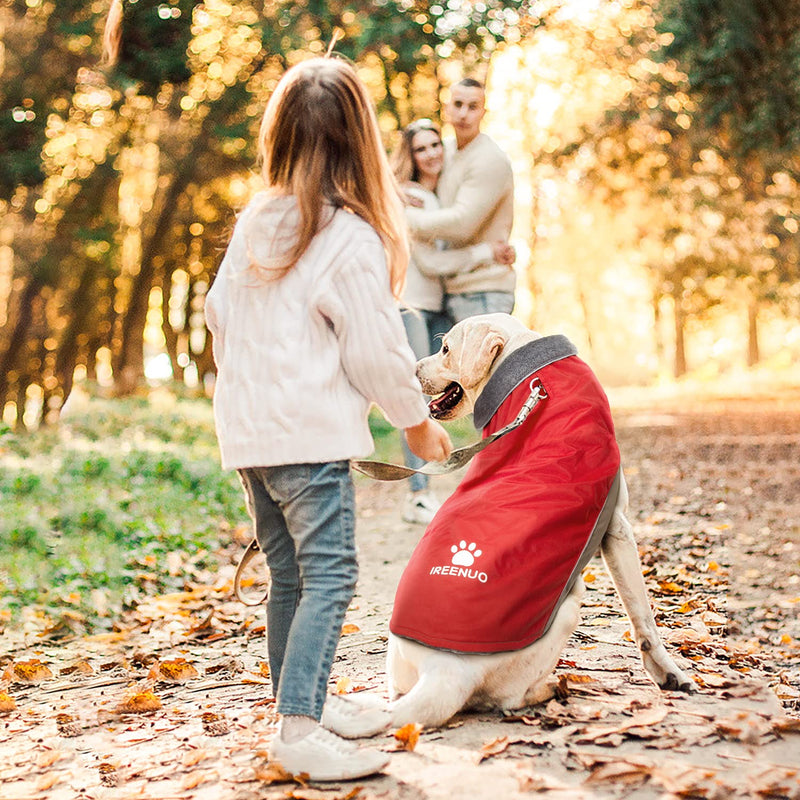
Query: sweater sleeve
(436,263)
(484,185)
(216,304)
(375,353)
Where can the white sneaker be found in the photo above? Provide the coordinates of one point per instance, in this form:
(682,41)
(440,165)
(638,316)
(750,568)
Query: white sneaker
(323,756)
(354,716)
(420,508)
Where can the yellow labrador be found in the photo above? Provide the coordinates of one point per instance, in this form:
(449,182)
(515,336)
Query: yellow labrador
(428,684)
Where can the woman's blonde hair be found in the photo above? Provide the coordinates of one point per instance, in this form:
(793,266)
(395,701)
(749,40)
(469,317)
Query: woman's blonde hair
(403,164)
(320,141)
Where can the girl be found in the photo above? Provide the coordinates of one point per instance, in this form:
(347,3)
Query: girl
(306,335)
(417,163)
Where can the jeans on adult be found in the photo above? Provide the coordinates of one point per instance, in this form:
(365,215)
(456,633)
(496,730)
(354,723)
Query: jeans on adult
(304,516)
(424,330)
(470,304)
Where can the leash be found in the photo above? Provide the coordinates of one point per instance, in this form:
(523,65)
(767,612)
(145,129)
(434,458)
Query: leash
(385,471)
(382,471)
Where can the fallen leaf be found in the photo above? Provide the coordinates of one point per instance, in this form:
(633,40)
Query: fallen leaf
(7,703)
(138,701)
(177,670)
(81,667)
(408,736)
(67,725)
(49,757)
(273,772)
(620,772)
(194,779)
(349,628)
(108,774)
(32,671)
(644,719)
(493,748)
(214,724)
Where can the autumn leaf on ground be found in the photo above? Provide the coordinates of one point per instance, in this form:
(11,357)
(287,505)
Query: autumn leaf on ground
(176,670)
(493,748)
(81,667)
(214,724)
(349,628)
(194,779)
(620,772)
(690,781)
(31,671)
(108,774)
(642,719)
(7,703)
(273,772)
(342,685)
(407,737)
(67,725)
(138,699)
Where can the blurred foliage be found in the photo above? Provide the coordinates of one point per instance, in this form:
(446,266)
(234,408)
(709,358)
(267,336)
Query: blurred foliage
(662,120)
(119,187)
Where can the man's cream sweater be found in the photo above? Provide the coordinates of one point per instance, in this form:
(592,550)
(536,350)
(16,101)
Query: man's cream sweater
(300,359)
(476,191)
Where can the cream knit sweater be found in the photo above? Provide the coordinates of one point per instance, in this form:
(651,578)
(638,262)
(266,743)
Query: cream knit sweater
(300,359)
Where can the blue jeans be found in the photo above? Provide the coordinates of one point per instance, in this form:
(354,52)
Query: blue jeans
(461,306)
(304,516)
(424,330)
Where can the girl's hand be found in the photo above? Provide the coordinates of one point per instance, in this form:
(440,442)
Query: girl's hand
(429,440)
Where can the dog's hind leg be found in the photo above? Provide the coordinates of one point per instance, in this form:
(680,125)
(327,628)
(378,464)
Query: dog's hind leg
(622,559)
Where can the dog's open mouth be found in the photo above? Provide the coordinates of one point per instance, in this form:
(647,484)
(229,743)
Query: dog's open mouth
(448,399)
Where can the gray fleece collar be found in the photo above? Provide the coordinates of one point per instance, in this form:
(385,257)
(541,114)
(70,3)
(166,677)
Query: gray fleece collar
(519,365)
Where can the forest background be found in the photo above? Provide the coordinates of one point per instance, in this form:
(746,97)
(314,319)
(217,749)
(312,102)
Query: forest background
(656,149)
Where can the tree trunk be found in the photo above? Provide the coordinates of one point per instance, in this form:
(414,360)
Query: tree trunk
(11,358)
(170,336)
(680,338)
(753,349)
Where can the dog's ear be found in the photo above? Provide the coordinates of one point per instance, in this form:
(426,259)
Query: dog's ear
(481,345)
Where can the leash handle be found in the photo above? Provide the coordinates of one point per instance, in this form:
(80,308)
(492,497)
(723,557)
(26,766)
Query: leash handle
(249,554)
(383,471)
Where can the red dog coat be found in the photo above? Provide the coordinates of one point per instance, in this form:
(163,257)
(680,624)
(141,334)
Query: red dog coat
(506,547)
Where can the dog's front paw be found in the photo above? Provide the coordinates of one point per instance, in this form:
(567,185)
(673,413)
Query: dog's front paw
(677,682)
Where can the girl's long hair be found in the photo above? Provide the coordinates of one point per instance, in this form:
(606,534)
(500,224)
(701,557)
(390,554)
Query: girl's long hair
(320,142)
(403,164)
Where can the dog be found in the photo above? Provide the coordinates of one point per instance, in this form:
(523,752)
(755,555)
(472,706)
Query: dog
(451,592)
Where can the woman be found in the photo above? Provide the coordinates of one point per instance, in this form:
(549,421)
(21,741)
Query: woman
(418,163)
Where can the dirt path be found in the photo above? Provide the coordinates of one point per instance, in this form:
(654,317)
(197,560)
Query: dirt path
(715,500)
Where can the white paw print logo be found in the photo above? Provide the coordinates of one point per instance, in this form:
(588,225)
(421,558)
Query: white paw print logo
(464,554)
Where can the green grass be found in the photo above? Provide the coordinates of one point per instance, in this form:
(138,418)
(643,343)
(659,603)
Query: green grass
(92,508)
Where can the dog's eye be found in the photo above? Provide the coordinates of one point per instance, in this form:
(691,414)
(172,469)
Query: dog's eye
(445,349)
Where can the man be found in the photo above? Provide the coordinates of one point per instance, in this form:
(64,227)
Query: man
(476,190)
